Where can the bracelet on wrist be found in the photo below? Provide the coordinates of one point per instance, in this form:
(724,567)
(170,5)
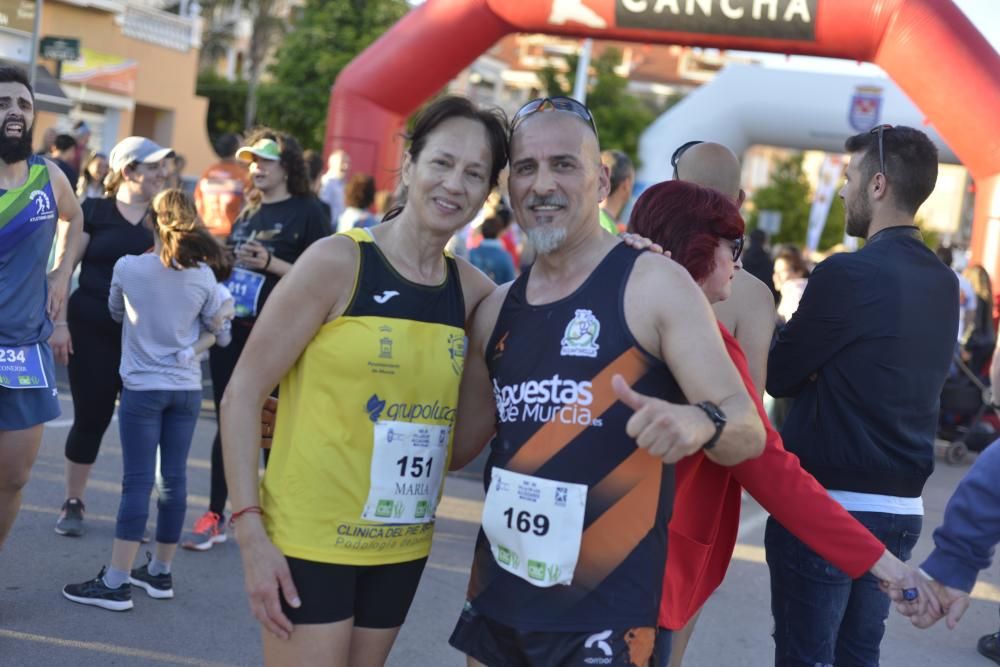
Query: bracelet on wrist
(268,262)
(61,323)
(252,509)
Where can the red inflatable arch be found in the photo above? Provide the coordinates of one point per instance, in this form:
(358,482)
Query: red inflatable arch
(928,47)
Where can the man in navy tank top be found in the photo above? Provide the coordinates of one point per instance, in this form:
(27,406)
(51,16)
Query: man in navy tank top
(35,200)
(596,370)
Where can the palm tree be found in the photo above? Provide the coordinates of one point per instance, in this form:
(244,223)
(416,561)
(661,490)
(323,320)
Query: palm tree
(219,33)
(267,28)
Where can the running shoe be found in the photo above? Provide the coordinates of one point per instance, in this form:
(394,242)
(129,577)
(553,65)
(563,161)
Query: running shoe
(97,594)
(70,521)
(208,530)
(157,586)
(989,646)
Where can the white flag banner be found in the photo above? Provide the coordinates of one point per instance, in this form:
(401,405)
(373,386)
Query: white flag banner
(826,189)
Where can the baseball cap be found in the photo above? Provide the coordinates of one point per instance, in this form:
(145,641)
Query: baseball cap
(136,149)
(266,149)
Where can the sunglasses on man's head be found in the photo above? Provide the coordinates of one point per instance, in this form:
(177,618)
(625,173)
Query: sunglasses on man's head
(558,103)
(676,157)
(880,130)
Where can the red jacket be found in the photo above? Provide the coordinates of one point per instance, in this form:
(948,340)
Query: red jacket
(706,516)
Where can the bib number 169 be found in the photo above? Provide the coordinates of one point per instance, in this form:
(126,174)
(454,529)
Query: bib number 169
(525,522)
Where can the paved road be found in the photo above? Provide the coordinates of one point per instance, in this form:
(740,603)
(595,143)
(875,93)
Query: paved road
(208,623)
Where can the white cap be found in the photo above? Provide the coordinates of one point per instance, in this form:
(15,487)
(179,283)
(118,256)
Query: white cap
(136,149)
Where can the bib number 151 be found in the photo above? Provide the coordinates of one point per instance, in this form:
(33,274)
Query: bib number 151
(415,466)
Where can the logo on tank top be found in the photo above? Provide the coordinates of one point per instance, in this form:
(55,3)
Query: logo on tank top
(385,296)
(385,343)
(553,399)
(376,407)
(456,352)
(43,206)
(580,337)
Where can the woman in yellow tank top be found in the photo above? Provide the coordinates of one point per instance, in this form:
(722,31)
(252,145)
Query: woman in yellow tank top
(366,336)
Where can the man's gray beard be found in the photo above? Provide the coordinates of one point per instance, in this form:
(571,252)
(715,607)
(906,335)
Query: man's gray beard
(546,239)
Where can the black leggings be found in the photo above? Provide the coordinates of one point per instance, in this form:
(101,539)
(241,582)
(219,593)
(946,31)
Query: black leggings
(94,383)
(222,361)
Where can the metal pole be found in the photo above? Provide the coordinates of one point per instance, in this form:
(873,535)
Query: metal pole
(34,42)
(582,72)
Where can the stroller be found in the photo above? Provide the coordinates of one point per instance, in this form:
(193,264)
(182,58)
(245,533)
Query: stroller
(968,420)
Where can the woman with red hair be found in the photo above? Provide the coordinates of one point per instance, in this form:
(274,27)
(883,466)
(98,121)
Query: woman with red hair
(703,231)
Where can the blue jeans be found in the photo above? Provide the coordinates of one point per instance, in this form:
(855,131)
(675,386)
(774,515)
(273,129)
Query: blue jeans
(661,650)
(147,419)
(821,616)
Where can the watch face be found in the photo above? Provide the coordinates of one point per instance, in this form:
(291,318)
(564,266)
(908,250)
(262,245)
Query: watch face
(713,411)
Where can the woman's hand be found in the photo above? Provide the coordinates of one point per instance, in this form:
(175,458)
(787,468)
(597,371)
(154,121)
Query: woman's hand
(253,255)
(265,573)
(642,243)
(61,343)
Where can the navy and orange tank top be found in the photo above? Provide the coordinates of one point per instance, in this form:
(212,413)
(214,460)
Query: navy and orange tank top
(558,418)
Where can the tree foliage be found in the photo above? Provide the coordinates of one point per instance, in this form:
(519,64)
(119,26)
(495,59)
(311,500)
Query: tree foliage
(790,194)
(326,37)
(265,30)
(620,116)
(226,103)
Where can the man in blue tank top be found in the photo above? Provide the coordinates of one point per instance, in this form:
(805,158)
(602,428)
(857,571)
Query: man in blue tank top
(603,366)
(35,200)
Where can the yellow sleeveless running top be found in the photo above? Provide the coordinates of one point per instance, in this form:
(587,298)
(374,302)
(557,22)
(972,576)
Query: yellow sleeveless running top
(365,421)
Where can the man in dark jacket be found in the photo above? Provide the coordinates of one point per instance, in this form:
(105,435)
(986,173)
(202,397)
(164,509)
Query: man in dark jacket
(865,357)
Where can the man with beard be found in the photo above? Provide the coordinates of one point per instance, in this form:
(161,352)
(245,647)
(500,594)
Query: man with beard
(865,357)
(35,199)
(594,390)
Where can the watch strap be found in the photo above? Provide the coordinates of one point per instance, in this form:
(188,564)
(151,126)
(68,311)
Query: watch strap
(713,412)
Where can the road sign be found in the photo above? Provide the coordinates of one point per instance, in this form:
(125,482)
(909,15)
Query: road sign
(60,48)
(769,221)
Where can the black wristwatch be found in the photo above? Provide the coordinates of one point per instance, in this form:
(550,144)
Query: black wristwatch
(718,418)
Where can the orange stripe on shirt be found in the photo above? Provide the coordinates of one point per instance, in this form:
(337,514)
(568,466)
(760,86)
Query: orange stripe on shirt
(609,540)
(551,438)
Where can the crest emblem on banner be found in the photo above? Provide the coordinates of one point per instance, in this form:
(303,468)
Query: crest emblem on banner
(866,108)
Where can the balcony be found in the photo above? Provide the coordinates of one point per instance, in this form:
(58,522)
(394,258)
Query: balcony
(142,21)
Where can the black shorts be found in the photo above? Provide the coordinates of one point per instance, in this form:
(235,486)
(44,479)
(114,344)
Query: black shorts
(377,596)
(497,645)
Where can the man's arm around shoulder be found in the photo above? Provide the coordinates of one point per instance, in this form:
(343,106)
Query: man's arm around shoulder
(475,420)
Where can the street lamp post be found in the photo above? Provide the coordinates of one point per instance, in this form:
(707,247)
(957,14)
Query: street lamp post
(33,65)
